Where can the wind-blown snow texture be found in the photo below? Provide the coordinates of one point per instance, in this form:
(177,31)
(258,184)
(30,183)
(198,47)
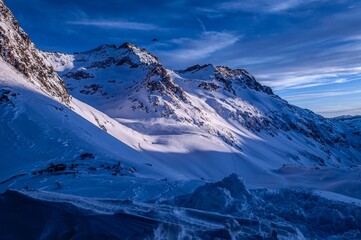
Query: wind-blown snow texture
(221,210)
(133,130)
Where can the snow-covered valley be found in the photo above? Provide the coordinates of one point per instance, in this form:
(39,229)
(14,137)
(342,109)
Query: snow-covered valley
(109,143)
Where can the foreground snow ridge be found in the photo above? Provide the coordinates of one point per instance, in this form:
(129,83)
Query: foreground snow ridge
(221,210)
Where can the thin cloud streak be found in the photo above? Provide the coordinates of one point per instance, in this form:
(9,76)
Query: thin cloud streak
(306,78)
(116,24)
(318,95)
(336,111)
(270,6)
(186,51)
(202,25)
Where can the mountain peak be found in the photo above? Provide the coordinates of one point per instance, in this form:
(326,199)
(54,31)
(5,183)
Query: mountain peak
(104,47)
(141,53)
(226,75)
(196,68)
(128,45)
(107,55)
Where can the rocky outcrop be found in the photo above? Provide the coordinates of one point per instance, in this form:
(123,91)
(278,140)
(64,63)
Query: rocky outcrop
(17,50)
(228,77)
(240,76)
(159,80)
(144,56)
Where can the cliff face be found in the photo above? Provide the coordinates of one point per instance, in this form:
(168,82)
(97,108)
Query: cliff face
(17,50)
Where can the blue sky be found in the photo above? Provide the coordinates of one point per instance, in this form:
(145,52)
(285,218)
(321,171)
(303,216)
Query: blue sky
(308,51)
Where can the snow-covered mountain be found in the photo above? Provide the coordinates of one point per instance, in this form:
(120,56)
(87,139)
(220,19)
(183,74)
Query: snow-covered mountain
(80,132)
(211,101)
(40,122)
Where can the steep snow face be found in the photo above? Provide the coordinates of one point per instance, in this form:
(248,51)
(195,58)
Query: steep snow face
(212,103)
(17,50)
(39,134)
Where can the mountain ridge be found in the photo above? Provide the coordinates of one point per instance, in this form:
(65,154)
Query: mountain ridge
(226,103)
(17,50)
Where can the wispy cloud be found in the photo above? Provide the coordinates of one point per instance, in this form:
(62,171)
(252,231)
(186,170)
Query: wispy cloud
(116,24)
(309,77)
(340,110)
(202,25)
(317,95)
(329,103)
(193,50)
(271,6)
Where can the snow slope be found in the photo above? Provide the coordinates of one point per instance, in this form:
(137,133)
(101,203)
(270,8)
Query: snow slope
(36,129)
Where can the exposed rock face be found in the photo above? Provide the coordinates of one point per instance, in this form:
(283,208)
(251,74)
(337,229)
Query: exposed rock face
(159,80)
(229,76)
(17,50)
(78,75)
(241,76)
